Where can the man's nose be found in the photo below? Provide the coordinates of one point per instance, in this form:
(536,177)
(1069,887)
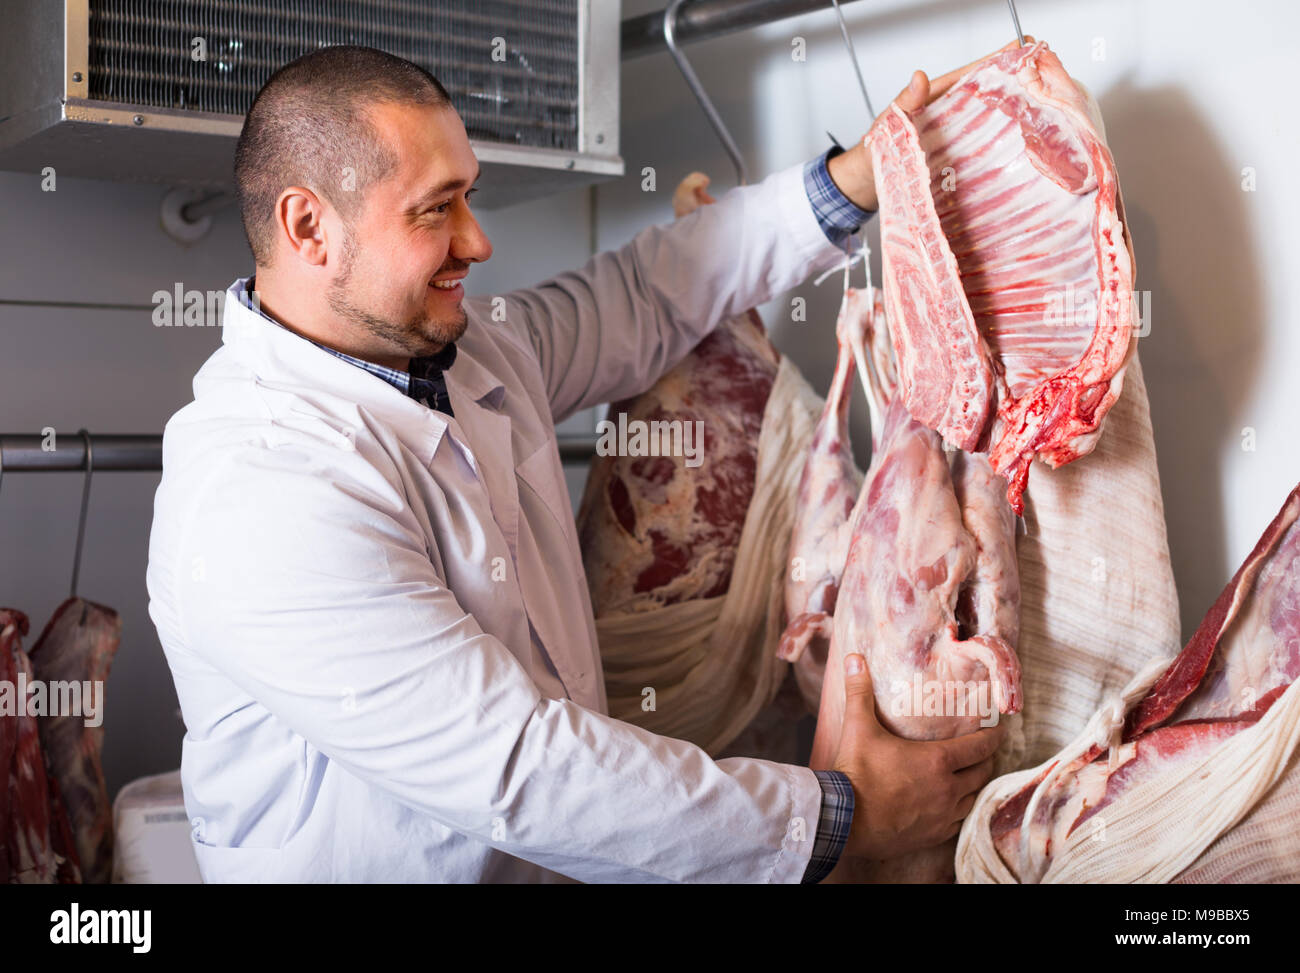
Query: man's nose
(469,242)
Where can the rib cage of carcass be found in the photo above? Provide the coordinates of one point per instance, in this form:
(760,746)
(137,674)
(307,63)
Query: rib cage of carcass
(1008,273)
(1007,261)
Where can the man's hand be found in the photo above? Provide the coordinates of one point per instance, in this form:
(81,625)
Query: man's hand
(851,170)
(908,794)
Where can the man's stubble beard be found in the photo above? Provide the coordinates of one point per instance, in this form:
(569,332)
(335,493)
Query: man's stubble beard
(419,337)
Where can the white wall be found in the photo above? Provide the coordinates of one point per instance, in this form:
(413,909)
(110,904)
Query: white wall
(1191,93)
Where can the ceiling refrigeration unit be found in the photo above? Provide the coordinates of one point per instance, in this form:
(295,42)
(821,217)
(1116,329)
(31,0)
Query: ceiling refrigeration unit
(156,90)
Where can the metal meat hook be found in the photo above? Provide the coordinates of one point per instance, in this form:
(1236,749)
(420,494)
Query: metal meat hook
(693,82)
(85,504)
(1015,19)
(853,57)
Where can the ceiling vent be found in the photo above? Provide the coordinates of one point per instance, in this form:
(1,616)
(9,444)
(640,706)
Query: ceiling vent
(157,91)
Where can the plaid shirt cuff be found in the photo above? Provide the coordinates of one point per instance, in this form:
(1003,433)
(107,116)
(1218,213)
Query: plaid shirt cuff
(837,215)
(832,826)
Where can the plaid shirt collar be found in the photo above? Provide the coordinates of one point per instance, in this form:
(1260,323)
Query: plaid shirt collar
(425,381)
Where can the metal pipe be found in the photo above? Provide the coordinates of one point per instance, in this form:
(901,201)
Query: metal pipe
(704,19)
(23,453)
(1015,19)
(853,59)
(576,449)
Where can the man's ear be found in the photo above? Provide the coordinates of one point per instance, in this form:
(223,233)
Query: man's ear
(300,224)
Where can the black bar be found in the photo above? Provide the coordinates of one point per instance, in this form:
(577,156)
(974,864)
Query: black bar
(234,922)
(576,449)
(24,453)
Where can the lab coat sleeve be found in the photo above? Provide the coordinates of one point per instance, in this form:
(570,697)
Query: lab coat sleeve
(321,602)
(610,329)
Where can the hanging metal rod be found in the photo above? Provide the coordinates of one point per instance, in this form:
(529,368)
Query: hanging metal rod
(693,82)
(704,19)
(113,453)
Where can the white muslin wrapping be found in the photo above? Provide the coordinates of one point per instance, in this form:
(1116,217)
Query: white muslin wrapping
(711,663)
(1179,825)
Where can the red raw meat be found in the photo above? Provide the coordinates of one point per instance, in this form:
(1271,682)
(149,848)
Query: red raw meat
(828,489)
(1241,659)
(653,530)
(36,843)
(78,645)
(928,593)
(1008,269)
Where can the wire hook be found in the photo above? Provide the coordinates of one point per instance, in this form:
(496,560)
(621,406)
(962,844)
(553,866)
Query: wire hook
(693,82)
(1015,19)
(853,56)
(85,505)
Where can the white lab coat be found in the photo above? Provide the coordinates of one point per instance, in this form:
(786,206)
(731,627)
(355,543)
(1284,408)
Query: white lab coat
(377,619)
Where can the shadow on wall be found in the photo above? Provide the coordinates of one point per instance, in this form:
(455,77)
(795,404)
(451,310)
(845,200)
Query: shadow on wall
(1195,255)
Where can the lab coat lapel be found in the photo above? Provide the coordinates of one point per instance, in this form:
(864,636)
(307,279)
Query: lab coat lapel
(485,431)
(285,362)
(504,453)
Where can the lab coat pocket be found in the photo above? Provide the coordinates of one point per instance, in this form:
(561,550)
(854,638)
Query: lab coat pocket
(542,472)
(223,864)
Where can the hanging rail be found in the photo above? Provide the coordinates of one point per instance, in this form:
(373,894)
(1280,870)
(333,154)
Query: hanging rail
(114,453)
(702,19)
(22,453)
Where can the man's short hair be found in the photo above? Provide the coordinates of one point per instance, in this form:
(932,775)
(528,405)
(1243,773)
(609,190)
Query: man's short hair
(309,126)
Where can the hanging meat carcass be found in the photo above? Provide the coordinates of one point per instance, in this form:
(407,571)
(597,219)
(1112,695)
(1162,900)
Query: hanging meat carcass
(655,530)
(1097,592)
(77,647)
(1185,754)
(928,592)
(685,561)
(929,597)
(828,489)
(36,842)
(1008,274)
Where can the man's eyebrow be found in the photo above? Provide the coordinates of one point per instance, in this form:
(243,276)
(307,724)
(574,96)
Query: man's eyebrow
(438,190)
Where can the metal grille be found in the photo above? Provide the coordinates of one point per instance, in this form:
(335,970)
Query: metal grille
(142,53)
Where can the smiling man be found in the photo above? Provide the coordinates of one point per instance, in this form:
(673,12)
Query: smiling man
(364,569)
(389,162)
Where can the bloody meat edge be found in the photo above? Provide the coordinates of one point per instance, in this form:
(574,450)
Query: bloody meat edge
(1242,658)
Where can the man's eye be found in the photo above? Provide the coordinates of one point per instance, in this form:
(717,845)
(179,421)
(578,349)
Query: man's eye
(441,208)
